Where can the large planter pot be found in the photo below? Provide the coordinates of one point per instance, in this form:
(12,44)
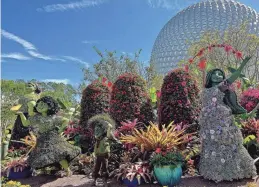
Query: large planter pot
(25,173)
(168,175)
(133,183)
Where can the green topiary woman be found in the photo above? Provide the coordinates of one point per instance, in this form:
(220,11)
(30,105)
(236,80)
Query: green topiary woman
(50,148)
(223,156)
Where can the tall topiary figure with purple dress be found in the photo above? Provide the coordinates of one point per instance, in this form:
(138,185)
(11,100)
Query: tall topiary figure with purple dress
(223,156)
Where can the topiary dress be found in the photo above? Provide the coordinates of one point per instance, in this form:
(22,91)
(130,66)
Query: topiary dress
(51,148)
(223,156)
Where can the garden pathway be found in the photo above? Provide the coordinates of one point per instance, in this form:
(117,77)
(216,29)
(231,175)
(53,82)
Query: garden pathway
(83,181)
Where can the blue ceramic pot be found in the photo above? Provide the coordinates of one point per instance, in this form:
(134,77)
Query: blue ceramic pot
(168,175)
(26,172)
(129,183)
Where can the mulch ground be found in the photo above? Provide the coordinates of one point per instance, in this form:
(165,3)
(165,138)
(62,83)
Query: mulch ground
(83,181)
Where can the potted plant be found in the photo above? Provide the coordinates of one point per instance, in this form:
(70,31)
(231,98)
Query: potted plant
(167,167)
(133,174)
(17,168)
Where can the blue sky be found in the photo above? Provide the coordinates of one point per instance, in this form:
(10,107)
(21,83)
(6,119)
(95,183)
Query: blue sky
(53,39)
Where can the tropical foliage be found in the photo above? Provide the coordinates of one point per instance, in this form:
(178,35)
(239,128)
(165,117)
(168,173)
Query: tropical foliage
(150,139)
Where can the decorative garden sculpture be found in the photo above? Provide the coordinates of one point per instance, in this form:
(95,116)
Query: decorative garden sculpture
(223,156)
(50,148)
(27,103)
(103,127)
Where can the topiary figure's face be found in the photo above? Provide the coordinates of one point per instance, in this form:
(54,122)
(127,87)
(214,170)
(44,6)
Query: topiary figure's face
(98,131)
(42,107)
(30,88)
(217,77)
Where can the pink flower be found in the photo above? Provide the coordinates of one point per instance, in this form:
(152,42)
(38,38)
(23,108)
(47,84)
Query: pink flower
(191,60)
(228,48)
(183,83)
(186,68)
(158,150)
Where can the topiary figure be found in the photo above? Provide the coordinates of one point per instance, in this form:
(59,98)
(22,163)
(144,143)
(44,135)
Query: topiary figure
(249,99)
(179,98)
(95,100)
(129,100)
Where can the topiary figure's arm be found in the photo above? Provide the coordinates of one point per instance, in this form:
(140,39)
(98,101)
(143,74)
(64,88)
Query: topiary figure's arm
(31,106)
(64,123)
(237,73)
(25,122)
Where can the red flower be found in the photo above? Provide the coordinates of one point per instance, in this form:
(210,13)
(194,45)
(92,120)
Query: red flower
(202,64)
(190,162)
(158,150)
(191,60)
(109,84)
(239,84)
(239,54)
(200,52)
(104,80)
(210,48)
(186,68)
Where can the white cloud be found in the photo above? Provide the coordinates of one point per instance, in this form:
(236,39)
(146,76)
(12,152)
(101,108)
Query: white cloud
(127,53)
(33,52)
(90,42)
(27,45)
(17,56)
(64,81)
(77,60)
(169,4)
(70,6)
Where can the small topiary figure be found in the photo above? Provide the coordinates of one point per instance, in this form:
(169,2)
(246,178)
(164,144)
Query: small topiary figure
(249,99)
(129,100)
(95,100)
(179,98)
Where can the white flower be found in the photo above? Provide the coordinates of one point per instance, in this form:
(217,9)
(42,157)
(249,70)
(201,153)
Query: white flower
(222,147)
(213,153)
(212,137)
(212,131)
(223,160)
(214,99)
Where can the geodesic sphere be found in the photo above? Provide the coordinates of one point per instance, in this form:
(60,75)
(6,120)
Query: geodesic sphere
(188,25)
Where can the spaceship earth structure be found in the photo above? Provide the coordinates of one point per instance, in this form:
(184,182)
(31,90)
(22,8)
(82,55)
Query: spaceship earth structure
(188,25)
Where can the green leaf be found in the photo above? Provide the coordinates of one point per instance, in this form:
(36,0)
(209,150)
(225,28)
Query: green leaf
(209,66)
(249,138)
(62,105)
(232,70)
